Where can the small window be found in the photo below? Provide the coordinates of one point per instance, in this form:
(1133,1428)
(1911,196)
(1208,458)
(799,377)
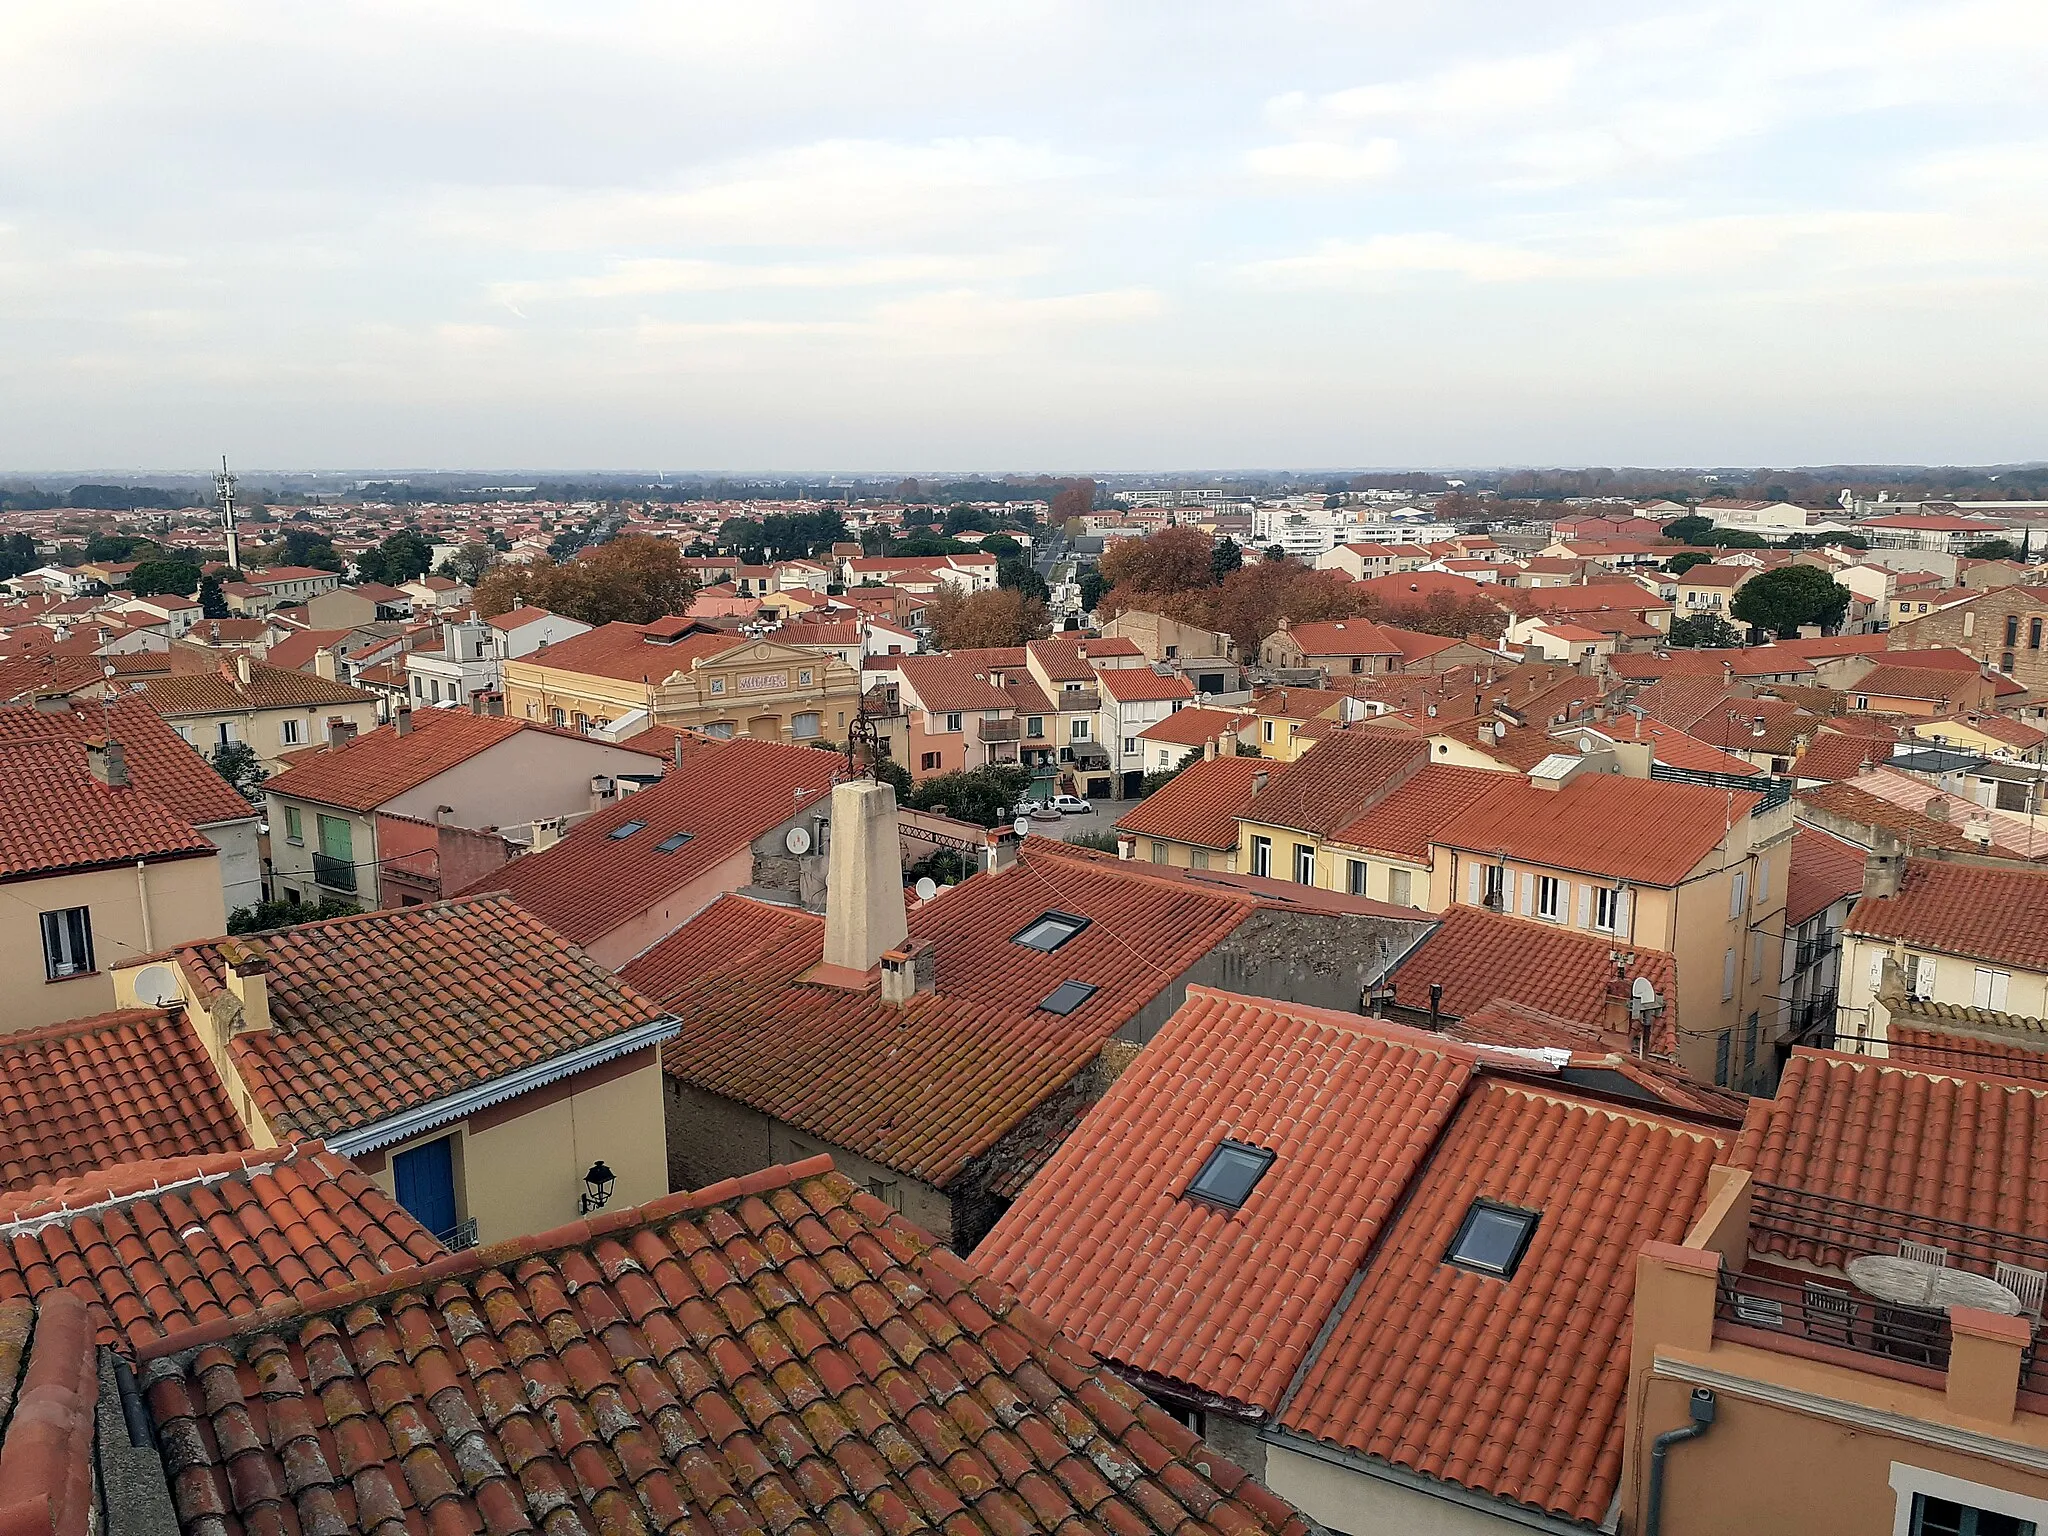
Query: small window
(1051,931)
(1492,1238)
(1607,909)
(67,943)
(1399,888)
(291,732)
(1942,1517)
(1067,996)
(293,832)
(1230,1175)
(2012,629)
(1160,852)
(1304,864)
(557,718)
(1550,898)
(1262,856)
(1721,1042)
(1356,877)
(625,830)
(671,844)
(953,720)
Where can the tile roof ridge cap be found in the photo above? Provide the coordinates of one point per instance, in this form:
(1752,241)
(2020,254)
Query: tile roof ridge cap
(1834,1058)
(70,1029)
(578,1235)
(198,1172)
(1352,1023)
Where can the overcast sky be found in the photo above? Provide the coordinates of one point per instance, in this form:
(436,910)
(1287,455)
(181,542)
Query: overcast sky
(1021,236)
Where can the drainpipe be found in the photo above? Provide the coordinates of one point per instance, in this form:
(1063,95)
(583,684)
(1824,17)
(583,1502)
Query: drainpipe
(142,900)
(1702,1406)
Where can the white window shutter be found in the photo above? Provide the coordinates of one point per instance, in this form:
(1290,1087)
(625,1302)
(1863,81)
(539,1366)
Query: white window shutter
(1727,975)
(1876,969)
(1621,911)
(1738,893)
(1981,998)
(1998,984)
(1471,885)
(1528,895)
(1585,906)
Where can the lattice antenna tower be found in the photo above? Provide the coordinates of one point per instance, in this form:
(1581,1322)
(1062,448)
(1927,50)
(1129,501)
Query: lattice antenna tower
(224,493)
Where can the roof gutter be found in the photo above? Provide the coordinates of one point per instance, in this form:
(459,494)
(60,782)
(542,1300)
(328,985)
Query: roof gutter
(459,1106)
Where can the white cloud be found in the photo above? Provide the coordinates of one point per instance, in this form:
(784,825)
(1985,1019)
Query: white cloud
(1384,260)
(644,277)
(1324,160)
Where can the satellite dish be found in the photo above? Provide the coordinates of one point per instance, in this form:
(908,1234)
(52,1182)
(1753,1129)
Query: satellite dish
(926,888)
(156,986)
(1641,993)
(1021,826)
(797,840)
(1585,743)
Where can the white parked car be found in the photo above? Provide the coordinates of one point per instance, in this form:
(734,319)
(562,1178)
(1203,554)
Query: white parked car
(1071,805)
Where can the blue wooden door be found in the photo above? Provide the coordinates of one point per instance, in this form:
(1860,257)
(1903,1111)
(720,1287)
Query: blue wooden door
(425,1178)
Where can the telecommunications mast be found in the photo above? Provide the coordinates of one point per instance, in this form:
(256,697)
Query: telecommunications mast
(224,492)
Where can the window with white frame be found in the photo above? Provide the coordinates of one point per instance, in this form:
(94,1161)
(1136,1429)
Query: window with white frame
(291,732)
(1262,856)
(953,720)
(1550,898)
(1304,864)
(1937,1504)
(1080,731)
(1990,988)
(1607,909)
(1399,884)
(1727,975)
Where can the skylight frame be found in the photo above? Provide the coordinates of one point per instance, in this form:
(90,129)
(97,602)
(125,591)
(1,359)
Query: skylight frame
(1073,924)
(1079,993)
(1224,1154)
(673,841)
(626,829)
(1482,1209)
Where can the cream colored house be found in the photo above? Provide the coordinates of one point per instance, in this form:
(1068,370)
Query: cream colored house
(527,1066)
(275,711)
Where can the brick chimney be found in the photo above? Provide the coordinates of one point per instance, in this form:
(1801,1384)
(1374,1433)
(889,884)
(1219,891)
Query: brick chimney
(1884,867)
(326,664)
(401,720)
(909,970)
(340,733)
(248,970)
(106,762)
(864,914)
(242,669)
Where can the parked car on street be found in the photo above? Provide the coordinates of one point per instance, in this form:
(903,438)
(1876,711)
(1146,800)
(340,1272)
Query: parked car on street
(1071,805)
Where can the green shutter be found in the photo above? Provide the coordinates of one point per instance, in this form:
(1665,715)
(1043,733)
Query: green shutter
(334,839)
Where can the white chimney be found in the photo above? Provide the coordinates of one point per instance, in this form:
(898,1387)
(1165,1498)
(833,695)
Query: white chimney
(864,914)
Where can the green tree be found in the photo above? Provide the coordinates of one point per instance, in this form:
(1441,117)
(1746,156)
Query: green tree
(1781,601)
(306,546)
(213,603)
(1092,587)
(267,915)
(1275,554)
(116,546)
(1001,544)
(1704,629)
(981,795)
(1678,565)
(177,577)
(1020,575)
(1691,530)
(1225,558)
(237,762)
(18,555)
(404,556)
(1992,549)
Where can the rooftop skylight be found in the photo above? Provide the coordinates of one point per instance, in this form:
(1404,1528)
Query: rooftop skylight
(625,829)
(1067,996)
(1050,930)
(1231,1173)
(1492,1238)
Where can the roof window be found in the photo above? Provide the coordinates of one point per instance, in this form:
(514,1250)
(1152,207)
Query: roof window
(625,829)
(1067,996)
(672,843)
(1050,930)
(1492,1238)
(1231,1173)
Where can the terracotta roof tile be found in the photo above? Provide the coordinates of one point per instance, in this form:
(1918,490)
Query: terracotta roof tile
(1484,957)
(722,798)
(1329,785)
(154,1248)
(632,652)
(1600,1058)
(1141,685)
(1851,801)
(1940,685)
(135,1083)
(1200,804)
(778,1353)
(1343,637)
(1983,913)
(388,1011)
(211,693)
(1417,1369)
(161,765)
(1824,869)
(1833,755)
(1676,748)
(963,682)
(1195,726)
(49,1387)
(1403,823)
(54,815)
(1108,1245)
(1603,824)
(926,1087)
(1944,1144)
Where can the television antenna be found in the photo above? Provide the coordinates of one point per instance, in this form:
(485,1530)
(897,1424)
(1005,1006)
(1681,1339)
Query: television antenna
(224,493)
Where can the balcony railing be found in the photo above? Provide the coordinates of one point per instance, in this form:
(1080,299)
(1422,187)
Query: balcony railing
(1000,730)
(1828,1230)
(1078,698)
(1817,1312)
(458,1237)
(335,874)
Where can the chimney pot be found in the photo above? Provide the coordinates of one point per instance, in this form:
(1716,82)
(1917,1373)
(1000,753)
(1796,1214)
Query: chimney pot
(242,668)
(340,732)
(106,762)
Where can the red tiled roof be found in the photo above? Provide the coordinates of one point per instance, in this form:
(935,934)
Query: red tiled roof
(1676,748)
(1343,637)
(723,797)
(1106,1243)
(926,1087)
(1942,685)
(1734,725)
(1331,783)
(1141,685)
(1194,726)
(135,1083)
(626,652)
(389,1011)
(1858,806)
(516,617)
(1200,804)
(381,764)
(1402,824)
(2000,728)
(1984,913)
(2000,1050)
(1944,1144)
(49,1387)
(1730,576)
(1833,755)
(1060,657)
(1404,589)
(960,682)
(295,652)
(778,1353)
(160,764)
(154,1248)
(1824,869)
(1940,658)
(1644,830)
(1418,1370)
(1682,699)
(54,815)
(210,693)
(1485,957)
